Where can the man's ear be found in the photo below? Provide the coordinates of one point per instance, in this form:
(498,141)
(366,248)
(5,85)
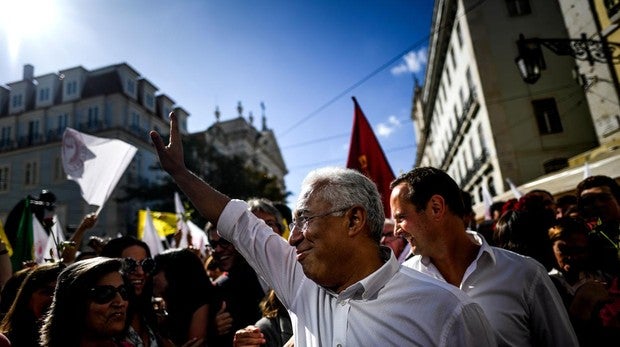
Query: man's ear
(357,219)
(437,205)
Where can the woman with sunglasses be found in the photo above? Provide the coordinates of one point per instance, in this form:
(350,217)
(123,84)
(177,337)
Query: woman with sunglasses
(137,269)
(89,306)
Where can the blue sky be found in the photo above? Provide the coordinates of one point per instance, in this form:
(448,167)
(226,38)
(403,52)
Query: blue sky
(303,59)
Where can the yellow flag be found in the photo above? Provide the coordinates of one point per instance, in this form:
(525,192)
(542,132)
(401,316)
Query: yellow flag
(5,240)
(165,223)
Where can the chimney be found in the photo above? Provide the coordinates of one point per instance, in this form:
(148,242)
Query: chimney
(28,72)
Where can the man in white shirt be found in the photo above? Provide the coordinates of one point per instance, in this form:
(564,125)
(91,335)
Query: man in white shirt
(515,291)
(341,287)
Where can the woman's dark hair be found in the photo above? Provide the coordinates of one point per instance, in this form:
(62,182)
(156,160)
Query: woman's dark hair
(115,247)
(188,288)
(65,320)
(20,324)
(9,291)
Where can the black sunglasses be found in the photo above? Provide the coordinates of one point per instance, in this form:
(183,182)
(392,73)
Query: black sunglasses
(104,294)
(131,265)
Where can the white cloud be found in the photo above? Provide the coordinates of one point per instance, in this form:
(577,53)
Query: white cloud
(412,62)
(385,129)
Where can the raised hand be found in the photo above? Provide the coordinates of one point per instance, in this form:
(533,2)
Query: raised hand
(170,156)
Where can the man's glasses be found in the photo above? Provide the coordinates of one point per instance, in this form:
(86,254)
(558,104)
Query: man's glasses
(104,294)
(302,222)
(130,265)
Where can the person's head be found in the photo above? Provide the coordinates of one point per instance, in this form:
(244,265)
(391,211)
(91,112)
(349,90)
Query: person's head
(497,209)
(265,210)
(599,197)
(569,240)
(212,267)
(33,299)
(546,198)
(222,251)
(180,280)
(11,287)
(396,243)
(90,304)
(338,218)
(421,200)
(566,206)
(137,261)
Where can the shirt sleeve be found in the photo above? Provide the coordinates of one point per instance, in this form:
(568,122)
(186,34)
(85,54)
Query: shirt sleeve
(267,252)
(468,326)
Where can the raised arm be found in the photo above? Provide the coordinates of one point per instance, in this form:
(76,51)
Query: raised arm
(208,201)
(69,252)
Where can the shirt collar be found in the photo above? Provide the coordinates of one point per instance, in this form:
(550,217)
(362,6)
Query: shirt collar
(484,245)
(368,287)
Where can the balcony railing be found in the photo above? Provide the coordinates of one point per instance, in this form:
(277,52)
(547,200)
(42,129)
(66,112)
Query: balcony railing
(478,163)
(470,108)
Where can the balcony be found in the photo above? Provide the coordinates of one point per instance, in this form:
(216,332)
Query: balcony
(470,109)
(476,167)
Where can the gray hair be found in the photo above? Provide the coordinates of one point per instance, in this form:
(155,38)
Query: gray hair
(343,188)
(266,206)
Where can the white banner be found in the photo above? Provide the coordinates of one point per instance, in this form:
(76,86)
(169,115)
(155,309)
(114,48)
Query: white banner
(95,163)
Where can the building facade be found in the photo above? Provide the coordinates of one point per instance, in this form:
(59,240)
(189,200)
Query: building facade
(239,137)
(111,102)
(475,117)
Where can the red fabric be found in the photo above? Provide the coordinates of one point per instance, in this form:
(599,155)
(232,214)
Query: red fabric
(367,157)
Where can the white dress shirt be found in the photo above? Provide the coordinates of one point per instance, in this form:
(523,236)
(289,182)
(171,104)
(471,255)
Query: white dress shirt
(516,294)
(393,306)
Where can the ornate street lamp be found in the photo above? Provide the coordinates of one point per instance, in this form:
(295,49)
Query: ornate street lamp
(530,60)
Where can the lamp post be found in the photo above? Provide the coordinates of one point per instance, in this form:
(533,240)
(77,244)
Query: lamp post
(531,62)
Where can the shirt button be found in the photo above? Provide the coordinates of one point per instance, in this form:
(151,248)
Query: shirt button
(338,345)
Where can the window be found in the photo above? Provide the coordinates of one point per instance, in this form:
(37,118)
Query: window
(31,173)
(62,121)
(448,79)
(71,87)
(93,116)
(518,7)
(452,58)
(470,81)
(150,100)
(483,145)
(5,136)
(4,178)
(547,116)
(131,86)
(459,35)
(44,94)
(33,131)
(17,100)
(135,120)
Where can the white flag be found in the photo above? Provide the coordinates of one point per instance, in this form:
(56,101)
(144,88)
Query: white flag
(586,170)
(95,163)
(181,224)
(150,237)
(198,236)
(514,189)
(56,237)
(39,240)
(488,201)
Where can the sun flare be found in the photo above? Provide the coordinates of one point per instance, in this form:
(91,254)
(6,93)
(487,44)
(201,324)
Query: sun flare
(22,20)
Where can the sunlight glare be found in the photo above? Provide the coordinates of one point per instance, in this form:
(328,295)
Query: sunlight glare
(22,20)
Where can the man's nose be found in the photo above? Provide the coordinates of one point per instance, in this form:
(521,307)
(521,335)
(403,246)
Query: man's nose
(296,236)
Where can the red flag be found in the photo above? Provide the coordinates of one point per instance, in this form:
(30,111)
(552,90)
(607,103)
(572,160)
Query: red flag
(367,157)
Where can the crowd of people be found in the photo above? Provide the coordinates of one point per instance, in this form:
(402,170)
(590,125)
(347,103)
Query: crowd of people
(541,272)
